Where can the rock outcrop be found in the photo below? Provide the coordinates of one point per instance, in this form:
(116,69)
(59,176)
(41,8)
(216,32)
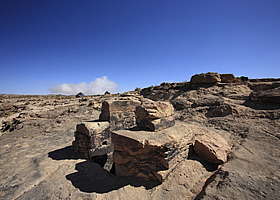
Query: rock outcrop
(149,155)
(206,78)
(227,78)
(154,116)
(266,96)
(37,161)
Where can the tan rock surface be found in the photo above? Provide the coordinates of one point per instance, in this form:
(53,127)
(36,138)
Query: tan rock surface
(37,162)
(212,147)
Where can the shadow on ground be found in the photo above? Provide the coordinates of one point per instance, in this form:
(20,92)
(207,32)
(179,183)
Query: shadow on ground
(210,167)
(261,106)
(65,153)
(91,177)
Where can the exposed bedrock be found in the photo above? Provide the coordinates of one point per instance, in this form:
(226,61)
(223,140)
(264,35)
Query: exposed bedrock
(154,155)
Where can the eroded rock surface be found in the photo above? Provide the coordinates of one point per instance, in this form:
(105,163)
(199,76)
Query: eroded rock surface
(154,115)
(37,161)
(144,154)
(212,147)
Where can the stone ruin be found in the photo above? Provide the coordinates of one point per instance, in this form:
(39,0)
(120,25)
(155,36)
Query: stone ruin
(139,137)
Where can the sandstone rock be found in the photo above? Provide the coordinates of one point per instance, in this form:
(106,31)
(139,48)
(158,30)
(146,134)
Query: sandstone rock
(220,111)
(212,147)
(92,138)
(157,124)
(122,120)
(120,112)
(206,78)
(117,105)
(227,78)
(266,96)
(256,86)
(181,103)
(144,154)
(154,116)
(154,110)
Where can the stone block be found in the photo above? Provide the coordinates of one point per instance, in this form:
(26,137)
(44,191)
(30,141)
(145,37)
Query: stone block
(144,154)
(157,124)
(119,105)
(150,110)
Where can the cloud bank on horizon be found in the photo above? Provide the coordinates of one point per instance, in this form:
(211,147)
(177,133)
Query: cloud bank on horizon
(98,86)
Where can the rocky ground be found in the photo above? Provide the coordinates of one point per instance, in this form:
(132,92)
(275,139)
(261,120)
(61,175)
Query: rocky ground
(37,133)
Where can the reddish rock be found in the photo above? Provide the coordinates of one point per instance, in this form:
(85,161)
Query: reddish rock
(212,147)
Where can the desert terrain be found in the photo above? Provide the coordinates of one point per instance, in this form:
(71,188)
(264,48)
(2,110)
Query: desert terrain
(37,131)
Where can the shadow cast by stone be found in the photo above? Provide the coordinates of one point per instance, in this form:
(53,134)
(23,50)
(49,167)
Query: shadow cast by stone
(210,167)
(261,106)
(65,153)
(93,178)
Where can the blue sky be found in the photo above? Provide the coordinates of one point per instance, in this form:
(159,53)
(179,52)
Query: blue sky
(62,46)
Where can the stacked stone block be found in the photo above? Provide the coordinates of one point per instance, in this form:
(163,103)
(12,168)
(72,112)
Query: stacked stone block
(92,139)
(154,115)
(120,113)
(149,155)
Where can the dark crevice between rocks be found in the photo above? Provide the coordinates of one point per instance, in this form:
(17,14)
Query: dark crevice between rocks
(210,167)
(100,160)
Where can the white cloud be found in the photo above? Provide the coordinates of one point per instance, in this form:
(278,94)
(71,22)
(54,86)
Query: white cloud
(98,86)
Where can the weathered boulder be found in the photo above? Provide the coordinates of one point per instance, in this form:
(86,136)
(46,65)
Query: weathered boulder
(206,78)
(220,111)
(212,147)
(154,109)
(227,78)
(154,115)
(120,112)
(150,156)
(92,139)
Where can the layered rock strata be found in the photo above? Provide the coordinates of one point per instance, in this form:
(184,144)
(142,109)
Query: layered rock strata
(93,139)
(212,147)
(154,115)
(150,155)
(120,113)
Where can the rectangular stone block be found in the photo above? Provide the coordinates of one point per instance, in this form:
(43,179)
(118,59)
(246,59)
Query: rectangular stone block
(92,138)
(149,155)
(122,120)
(157,124)
(118,105)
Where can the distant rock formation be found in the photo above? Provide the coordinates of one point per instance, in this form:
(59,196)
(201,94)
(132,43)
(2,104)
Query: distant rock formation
(207,78)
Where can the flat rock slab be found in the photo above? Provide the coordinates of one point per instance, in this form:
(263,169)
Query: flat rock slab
(212,147)
(180,133)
